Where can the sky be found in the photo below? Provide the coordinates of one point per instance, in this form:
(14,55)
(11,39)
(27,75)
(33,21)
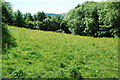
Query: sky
(47,6)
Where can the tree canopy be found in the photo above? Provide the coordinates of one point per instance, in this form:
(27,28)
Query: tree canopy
(95,19)
(98,19)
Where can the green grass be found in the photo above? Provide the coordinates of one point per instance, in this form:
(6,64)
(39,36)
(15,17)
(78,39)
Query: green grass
(41,54)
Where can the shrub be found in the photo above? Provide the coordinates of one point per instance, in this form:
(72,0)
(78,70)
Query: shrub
(7,40)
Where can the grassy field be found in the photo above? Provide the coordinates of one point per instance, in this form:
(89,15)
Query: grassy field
(41,54)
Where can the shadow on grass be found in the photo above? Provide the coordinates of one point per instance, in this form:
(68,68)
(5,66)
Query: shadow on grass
(7,40)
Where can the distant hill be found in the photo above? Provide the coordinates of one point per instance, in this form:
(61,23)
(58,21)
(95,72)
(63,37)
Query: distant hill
(53,14)
(63,14)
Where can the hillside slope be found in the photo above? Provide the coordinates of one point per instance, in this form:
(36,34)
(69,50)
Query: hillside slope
(52,14)
(41,54)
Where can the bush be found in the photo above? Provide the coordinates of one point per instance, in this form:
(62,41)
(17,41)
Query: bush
(7,40)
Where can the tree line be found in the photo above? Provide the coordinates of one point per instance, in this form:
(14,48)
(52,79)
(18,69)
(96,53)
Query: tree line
(87,19)
(95,19)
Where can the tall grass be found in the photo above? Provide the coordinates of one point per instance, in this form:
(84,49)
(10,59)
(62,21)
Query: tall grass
(41,54)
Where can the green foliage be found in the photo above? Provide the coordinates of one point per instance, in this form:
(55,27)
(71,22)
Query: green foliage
(40,16)
(48,54)
(109,18)
(18,19)
(37,21)
(52,23)
(7,40)
(39,25)
(7,13)
(30,24)
(45,54)
(94,19)
(28,17)
(88,19)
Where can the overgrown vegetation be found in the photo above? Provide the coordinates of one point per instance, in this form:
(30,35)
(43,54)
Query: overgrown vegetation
(41,54)
(8,41)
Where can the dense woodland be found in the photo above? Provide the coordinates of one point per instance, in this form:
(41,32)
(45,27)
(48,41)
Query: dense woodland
(88,19)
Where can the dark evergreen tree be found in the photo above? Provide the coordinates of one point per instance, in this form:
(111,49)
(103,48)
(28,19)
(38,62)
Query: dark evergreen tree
(7,13)
(18,19)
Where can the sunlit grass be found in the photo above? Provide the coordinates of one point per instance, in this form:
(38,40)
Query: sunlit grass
(58,55)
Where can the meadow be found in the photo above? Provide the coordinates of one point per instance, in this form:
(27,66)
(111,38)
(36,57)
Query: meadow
(45,54)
